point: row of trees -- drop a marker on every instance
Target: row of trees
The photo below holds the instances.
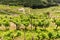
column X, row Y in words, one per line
column 30, row 3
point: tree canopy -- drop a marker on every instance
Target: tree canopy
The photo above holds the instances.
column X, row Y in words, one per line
column 30, row 3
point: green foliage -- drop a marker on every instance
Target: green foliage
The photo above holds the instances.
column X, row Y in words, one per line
column 5, row 22
column 8, row 35
column 43, row 35
column 28, row 36
column 46, row 23
column 41, row 22
column 37, row 20
column 57, row 22
column 26, row 23
column 29, row 3
column 17, row 21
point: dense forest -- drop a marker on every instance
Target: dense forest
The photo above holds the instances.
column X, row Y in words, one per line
column 31, row 3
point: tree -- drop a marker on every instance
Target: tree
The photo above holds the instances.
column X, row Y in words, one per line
column 30, row 3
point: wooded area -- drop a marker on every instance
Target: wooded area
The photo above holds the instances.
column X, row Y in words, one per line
column 31, row 3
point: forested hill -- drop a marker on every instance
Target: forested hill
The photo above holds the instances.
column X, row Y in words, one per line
column 30, row 3
column 58, row 1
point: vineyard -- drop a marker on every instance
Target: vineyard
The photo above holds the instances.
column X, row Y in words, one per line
column 29, row 24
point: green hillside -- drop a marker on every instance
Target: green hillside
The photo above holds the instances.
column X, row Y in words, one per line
column 24, row 23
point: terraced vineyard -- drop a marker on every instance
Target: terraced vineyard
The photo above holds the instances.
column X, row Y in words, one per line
column 21, row 23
